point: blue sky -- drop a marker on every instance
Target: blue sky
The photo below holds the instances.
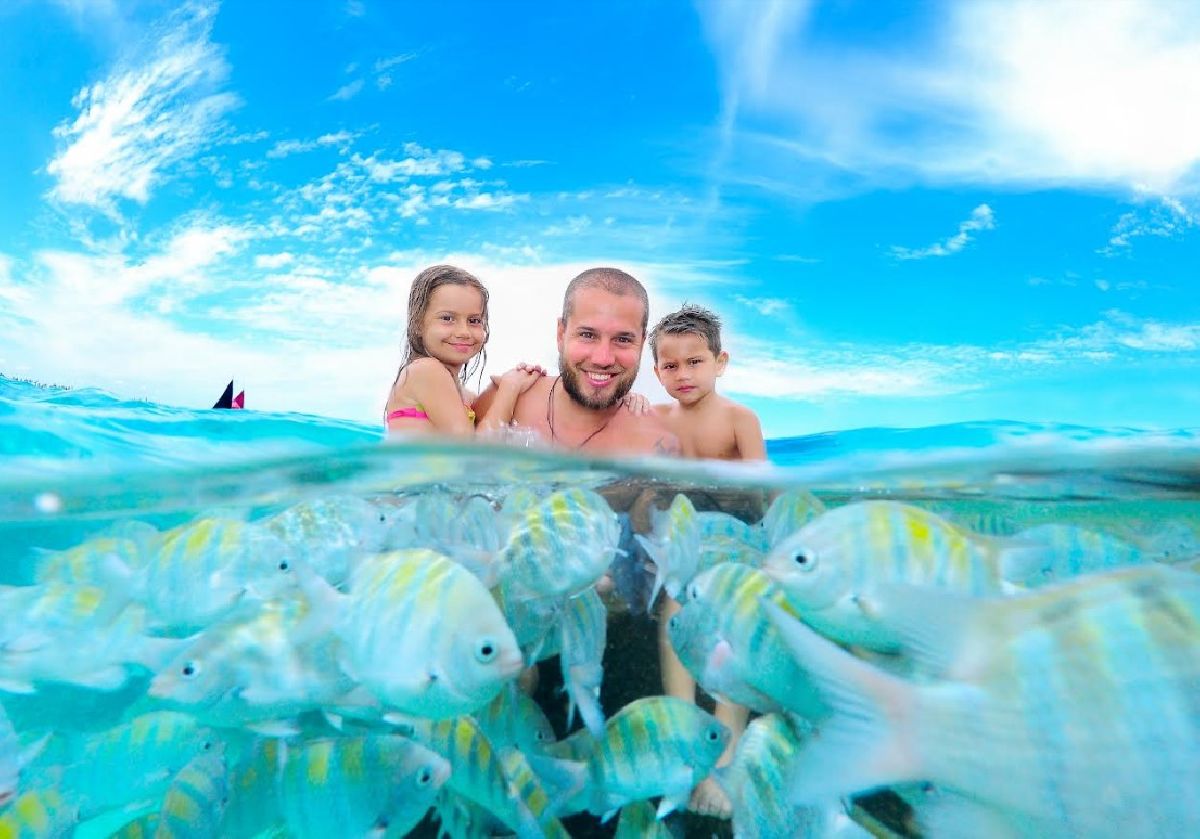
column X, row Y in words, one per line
column 907, row 213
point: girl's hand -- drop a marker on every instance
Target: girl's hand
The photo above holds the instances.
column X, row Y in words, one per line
column 532, row 368
column 636, row 404
column 520, row 378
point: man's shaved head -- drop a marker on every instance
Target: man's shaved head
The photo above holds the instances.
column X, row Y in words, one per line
column 614, row 281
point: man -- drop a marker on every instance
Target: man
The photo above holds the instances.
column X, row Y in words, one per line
column 600, row 338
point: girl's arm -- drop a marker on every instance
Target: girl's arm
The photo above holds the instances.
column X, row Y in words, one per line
column 432, row 386
column 498, row 411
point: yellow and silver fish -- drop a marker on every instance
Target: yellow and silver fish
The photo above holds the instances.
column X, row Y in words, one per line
column 1068, row 711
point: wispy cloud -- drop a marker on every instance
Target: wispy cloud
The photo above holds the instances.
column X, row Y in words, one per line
column 1166, row 218
column 1029, row 91
column 152, row 112
column 283, row 148
column 347, row 91
column 765, row 306
column 981, row 218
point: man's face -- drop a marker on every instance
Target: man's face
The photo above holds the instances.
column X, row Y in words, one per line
column 600, row 347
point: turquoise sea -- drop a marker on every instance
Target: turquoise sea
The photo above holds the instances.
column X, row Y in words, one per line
column 79, row 465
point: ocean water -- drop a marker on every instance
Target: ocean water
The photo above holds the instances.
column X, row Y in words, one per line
column 79, row 465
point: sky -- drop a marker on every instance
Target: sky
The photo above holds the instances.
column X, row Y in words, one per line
column 906, row 213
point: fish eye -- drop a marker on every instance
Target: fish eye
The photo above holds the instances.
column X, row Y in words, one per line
column 673, row 623
column 712, row 735
column 207, row 746
column 804, row 559
column 486, row 651
column 424, row 777
column 284, row 566
column 189, row 669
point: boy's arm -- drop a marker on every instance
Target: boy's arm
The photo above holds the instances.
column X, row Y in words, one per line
column 747, row 433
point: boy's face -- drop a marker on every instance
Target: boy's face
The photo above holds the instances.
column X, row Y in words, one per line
column 687, row 368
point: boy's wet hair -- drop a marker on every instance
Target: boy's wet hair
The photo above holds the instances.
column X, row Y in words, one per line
column 689, row 320
column 423, row 287
column 614, row 281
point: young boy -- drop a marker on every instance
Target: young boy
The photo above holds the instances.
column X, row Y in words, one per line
column 688, row 360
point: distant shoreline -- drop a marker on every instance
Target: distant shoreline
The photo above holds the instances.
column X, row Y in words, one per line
column 34, row 382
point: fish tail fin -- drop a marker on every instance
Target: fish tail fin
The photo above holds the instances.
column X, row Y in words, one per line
column 861, row 744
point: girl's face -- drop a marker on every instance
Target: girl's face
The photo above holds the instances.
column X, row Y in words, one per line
column 453, row 326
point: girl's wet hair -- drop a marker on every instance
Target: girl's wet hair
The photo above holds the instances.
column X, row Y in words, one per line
column 423, row 287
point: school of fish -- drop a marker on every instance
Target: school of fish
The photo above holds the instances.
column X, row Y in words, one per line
column 350, row 666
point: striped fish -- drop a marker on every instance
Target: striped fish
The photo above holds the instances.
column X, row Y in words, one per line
column 530, row 789
column 832, row 568
column 476, row 770
column 514, row 719
column 724, row 527
column 584, row 630
column 359, row 786
column 656, row 746
column 331, row 533
column 737, row 652
column 788, row 513
column 267, row 662
column 673, row 545
column 757, row 782
column 1071, row 551
column 638, row 821
column 195, row 802
column 1068, row 711
column 253, row 807
column 38, row 814
column 560, row 546
column 98, row 561
column 131, row 762
column 200, row 569
column 424, row 635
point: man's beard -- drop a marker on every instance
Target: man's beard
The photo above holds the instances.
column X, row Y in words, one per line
column 570, row 382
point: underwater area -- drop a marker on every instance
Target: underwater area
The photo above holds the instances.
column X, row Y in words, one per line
column 239, row 623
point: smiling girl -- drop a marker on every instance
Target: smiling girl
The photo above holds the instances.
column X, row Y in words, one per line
column 447, row 332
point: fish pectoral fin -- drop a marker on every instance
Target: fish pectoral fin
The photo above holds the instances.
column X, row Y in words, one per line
column 11, row 685
column 27, row 642
column 671, row 803
column 106, row 678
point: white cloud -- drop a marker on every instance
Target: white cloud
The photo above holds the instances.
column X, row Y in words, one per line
column 273, row 260
column 981, row 219
column 1029, row 91
column 383, row 81
column 147, row 116
column 347, row 91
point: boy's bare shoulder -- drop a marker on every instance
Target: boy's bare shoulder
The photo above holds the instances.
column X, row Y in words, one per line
column 739, row 411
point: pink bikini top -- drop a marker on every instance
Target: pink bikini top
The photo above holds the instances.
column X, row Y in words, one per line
column 418, row 413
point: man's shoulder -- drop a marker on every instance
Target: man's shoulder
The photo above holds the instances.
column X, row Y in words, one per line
column 648, row 433
column 534, row 401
